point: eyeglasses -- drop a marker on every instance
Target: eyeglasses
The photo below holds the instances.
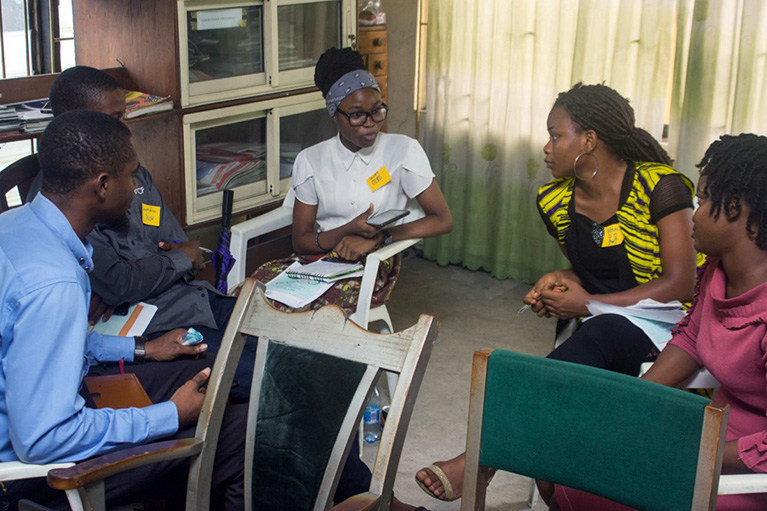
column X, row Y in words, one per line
column 360, row 118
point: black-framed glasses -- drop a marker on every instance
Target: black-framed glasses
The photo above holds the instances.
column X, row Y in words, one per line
column 360, row 118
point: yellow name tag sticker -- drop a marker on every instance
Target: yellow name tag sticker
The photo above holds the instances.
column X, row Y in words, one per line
column 150, row 215
column 378, row 179
column 613, row 236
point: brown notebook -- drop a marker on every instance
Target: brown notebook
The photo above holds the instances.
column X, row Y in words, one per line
column 115, row 391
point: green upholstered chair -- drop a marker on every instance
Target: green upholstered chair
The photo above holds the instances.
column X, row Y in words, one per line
column 634, row 442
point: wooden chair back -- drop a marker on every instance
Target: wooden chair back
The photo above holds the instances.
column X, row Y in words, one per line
column 314, row 374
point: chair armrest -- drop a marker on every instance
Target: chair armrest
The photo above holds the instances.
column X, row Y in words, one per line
column 249, row 229
column 373, row 259
column 362, row 502
column 702, row 379
column 110, row 464
column 15, row 470
column 395, row 248
column 731, row 484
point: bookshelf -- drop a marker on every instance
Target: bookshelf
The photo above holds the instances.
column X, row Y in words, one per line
column 222, row 62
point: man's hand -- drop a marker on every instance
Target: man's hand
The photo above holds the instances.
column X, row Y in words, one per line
column 352, row 248
column 169, row 347
column 189, row 398
column 190, row 248
column 99, row 308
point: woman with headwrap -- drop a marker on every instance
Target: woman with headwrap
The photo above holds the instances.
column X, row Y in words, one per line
column 623, row 218
column 341, row 182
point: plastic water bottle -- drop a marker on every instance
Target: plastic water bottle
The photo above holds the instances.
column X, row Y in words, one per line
column 371, row 419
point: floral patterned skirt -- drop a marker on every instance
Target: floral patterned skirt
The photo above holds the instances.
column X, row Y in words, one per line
column 344, row 292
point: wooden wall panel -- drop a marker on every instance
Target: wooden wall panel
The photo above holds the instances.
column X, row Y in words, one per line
column 158, row 143
column 140, row 34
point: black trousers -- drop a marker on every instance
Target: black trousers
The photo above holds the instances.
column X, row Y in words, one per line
column 222, row 307
column 608, row 341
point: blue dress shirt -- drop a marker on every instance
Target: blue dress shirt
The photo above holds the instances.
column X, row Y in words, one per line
column 46, row 349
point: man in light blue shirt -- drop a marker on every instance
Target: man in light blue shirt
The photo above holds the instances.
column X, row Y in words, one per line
column 88, row 164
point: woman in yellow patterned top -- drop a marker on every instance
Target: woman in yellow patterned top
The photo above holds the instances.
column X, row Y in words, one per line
column 623, row 218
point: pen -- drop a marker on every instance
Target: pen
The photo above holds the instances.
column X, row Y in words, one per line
column 206, row 250
column 523, row 309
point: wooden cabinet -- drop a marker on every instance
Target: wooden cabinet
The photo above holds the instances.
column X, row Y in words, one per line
column 210, row 56
column 373, row 45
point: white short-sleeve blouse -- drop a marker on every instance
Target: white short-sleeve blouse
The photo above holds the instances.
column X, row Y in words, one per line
column 334, row 178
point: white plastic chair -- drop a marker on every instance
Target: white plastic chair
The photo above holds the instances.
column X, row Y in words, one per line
column 16, row 470
column 283, row 217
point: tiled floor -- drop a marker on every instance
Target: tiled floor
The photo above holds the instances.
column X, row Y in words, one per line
column 475, row 311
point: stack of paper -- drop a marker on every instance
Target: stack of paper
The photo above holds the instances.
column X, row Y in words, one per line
column 295, row 292
column 325, row 271
column 656, row 319
column 132, row 324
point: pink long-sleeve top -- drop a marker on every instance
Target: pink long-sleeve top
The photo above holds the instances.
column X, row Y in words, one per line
column 728, row 336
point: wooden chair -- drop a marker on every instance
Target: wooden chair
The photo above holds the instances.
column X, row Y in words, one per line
column 634, row 442
column 19, row 174
column 314, row 374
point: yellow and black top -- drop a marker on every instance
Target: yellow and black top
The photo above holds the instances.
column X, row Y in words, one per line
column 633, row 229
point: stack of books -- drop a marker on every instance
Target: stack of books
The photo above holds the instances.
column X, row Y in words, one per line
column 300, row 285
column 10, row 122
column 141, row 103
column 35, row 115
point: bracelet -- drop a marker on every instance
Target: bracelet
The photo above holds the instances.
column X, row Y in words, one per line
column 139, row 351
column 317, row 241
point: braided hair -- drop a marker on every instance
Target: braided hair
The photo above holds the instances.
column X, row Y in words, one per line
column 333, row 64
column 736, row 172
column 602, row 109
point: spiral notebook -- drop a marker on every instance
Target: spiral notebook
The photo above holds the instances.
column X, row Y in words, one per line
column 325, row 271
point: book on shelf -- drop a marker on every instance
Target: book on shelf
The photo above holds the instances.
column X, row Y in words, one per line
column 325, row 271
column 141, row 103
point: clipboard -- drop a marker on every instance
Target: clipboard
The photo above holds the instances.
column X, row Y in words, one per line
column 115, row 391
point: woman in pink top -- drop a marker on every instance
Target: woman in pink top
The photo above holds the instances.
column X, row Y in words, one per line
column 725, row 331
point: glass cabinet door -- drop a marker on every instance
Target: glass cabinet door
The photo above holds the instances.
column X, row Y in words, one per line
column 232, row 49
column 224, row 43
column 299, row 131
column 230, row 155
column 305, row 31
column 248, row 148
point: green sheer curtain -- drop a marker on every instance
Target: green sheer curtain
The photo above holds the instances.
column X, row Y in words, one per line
column 720, row 77
column 493, row 70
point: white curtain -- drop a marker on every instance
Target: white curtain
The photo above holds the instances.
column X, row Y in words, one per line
column 720, row 77
column 494, row 68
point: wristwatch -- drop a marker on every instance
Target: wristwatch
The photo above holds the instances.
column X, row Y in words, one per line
column 139, row 351
column 388, row 240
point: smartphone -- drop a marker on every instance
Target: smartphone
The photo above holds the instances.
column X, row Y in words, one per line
column 122, row 309
column 387, row 217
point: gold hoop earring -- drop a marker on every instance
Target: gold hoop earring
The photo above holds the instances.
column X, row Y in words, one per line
column 575, row 166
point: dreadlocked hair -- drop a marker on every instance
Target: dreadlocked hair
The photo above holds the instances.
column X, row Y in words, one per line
column 333, row 64
column 736, row 172
column 602, row 109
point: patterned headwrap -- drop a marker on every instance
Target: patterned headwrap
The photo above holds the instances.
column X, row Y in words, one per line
column 348, row 83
